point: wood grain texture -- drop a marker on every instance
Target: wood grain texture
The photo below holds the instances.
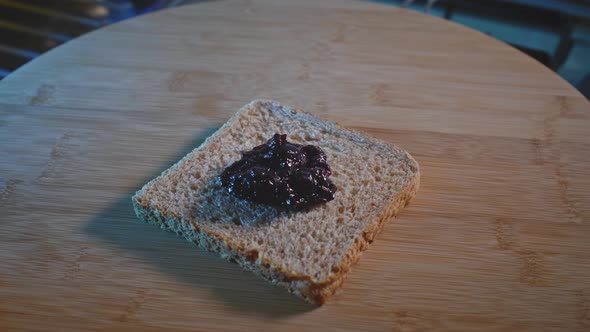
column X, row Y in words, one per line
column 497, row 239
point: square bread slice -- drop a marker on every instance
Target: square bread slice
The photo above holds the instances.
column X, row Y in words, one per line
column 309, row 252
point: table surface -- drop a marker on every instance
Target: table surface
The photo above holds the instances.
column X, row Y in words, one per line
column 497, row 238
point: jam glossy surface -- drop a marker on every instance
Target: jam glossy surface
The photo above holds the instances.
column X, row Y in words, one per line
column 283, row 174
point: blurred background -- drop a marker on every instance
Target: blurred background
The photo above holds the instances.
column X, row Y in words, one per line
column 554, row 32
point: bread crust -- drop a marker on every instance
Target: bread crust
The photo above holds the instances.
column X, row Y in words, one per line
column 306, row 287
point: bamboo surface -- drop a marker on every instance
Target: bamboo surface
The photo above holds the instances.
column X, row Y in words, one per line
column 497, row 239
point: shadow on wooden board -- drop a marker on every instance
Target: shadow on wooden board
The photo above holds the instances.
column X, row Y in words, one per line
column 239, row 290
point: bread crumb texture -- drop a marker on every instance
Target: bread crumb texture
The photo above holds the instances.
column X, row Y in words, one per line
column 307, row 252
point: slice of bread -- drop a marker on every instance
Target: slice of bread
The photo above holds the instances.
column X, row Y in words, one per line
column 308, row 252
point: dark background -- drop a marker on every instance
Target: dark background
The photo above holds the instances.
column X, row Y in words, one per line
column 555, row 32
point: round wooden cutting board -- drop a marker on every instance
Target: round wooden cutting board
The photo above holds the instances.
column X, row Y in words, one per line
column 498, row 237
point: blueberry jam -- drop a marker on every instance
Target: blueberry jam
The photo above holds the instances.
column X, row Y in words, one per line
column 283, row 174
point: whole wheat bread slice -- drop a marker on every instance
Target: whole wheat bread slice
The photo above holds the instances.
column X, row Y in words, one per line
column 309, row 252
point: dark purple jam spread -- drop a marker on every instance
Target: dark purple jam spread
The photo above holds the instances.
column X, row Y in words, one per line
column 279, row 173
